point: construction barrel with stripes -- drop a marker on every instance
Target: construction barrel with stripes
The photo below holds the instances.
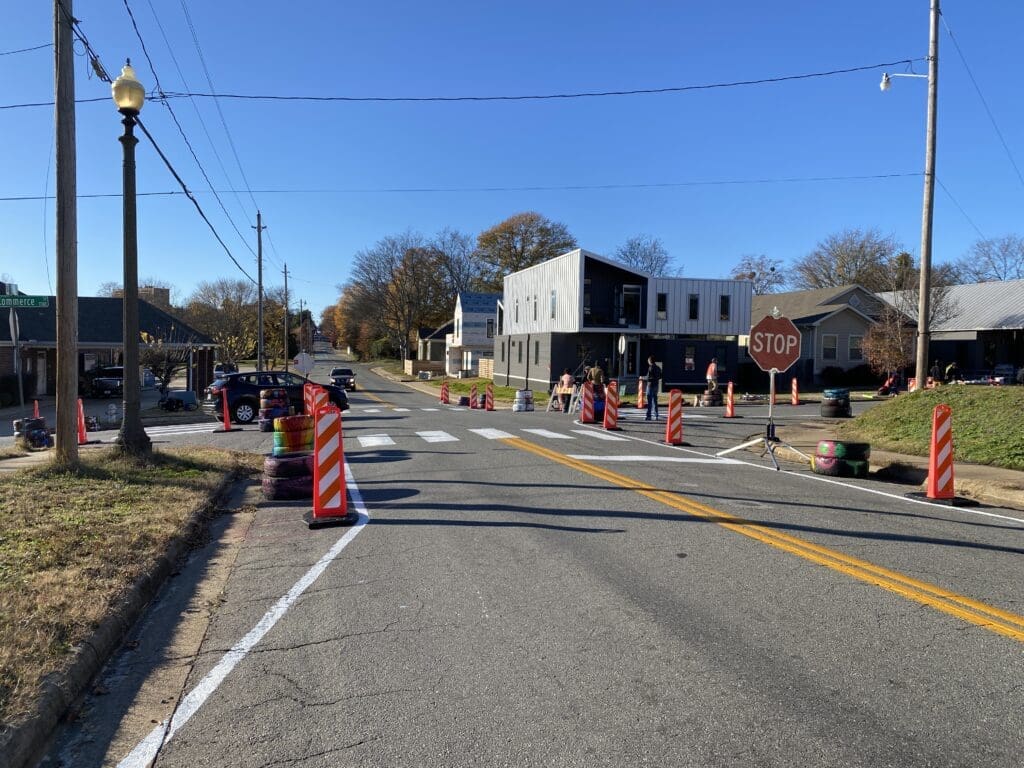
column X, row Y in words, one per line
column 444, row 392
column 641, row 386
column 473, row 396
column 674, row 424
column 489, row 397
column 587, row 408
column 940, row 462
column 318, row 399
column 611, row 405
column 330, row 506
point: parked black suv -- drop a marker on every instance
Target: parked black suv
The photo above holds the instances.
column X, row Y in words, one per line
column 244, row 393
column 104, row 381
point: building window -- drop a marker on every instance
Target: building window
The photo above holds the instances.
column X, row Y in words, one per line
column 516, row 317
column 694, row 306
column 856, row 353
column 490, row 328
column 723, row 308
column 662, row 306
column 689, row 358
column 554, row 295
column 829, row 346
column 503, row 351
column 519, row 356
column 535, row 309
column 536, row 352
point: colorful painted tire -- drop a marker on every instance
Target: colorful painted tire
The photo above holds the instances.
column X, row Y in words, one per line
column 273, row 402
column 853, row 468
column 299, row 464
column 266, row 425
column 299, row 423
column 287, row 488
column 280, row 450
column 295, row 441
column 836, row 394
column 826, row 465
column 843, row 450
column 273, row 413
column 836, row 411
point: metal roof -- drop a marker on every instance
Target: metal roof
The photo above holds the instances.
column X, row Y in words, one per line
column 478, row 302
column 982, row 307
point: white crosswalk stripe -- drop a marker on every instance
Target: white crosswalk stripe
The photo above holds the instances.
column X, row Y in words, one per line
column 599, row 434
column 438, row 437
column 549, row 434
column 181, row 429
column 491, row 434
column 374, row 441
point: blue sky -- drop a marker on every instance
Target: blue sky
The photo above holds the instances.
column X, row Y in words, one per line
column 325, row 175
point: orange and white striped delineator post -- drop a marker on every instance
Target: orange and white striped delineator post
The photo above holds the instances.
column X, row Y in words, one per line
column 35, row 409
column 587, row 408
column 330, row 506
column 444, row 392
column 489, row 397
column 674, row 423
column 318, row 398
column 940, row 461
column 730, row 402
column 306, row 389
column 794, row 393
column 611, row 406
column 473, row 396
column 641, row 386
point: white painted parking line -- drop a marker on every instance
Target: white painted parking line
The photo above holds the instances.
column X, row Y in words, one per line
column 371, row 410
column 438, row 437
column 491, row 434
column 549, row 434
column 429, row 409
column 374, row 441
column 402, row 410
column 598, row 434
column 667, row 459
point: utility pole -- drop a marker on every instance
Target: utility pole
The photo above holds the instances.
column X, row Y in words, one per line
column 924, row 290
column 260, row 352
column 302, row 327
column 66, row 452
column 286, row 318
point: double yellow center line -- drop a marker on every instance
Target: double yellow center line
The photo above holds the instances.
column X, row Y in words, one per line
column 978, row 613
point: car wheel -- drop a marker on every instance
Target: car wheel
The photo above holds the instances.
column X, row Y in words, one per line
column 244, row 412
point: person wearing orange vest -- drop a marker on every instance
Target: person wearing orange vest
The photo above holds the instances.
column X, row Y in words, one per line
column 712, row 374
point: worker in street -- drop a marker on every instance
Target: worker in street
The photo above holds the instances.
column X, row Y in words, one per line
column 712, row 374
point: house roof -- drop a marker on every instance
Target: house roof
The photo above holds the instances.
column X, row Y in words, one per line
column 982, row 306
column 811, row 307
column 426, row 334
column 100, row 323
column 478, row 302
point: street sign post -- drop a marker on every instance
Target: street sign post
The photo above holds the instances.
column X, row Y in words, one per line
column 774, row 346
column 304, row 363
column 25, row 302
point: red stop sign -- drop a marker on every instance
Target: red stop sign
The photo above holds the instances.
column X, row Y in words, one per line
column 774, row 343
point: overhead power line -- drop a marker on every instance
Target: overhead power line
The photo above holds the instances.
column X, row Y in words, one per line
column 520, row 97
column 26, row 50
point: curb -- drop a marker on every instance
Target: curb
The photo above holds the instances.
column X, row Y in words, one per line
column 22, row 744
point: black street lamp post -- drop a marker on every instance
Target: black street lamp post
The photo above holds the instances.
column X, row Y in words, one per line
column 128, row 96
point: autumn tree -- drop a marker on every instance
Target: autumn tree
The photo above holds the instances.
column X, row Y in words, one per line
column 225, row 310
column 646, row 254
column 166, row 353
column 994, row 259
column 766, row 274
column 853, row 256
column 518, row 242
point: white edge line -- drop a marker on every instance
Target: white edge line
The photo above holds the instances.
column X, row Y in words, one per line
column 146, row 750
column 832, row 481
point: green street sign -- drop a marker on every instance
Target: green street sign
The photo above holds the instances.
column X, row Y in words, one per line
column 25, row 302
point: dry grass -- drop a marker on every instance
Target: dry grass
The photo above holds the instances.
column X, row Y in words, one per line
column 72, row 544
column 12, row 451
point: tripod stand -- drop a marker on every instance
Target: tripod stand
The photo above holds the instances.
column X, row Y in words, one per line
column 769, row 439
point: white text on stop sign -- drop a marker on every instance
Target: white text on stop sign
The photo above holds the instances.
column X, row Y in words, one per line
column 774, row 343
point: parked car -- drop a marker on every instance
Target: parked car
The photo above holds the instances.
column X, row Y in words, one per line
column 243, row 392
column 104, row 381
column 223, row 369
column 344, row 377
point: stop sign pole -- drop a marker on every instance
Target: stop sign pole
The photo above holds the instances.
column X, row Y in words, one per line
column 774, row 345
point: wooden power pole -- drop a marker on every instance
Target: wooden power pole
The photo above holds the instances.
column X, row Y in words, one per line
column 260, row 349
column 66, row 432
column 286, row 318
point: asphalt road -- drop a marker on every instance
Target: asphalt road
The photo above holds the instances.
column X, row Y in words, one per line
column 529, row 591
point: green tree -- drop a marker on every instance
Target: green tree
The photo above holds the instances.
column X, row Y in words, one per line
column 516, row 243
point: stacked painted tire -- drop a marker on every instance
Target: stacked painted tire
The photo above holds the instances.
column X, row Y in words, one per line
column 273, row 405
column 32, row 433
column 837, row 458
column 835, row 403
column 288, row 471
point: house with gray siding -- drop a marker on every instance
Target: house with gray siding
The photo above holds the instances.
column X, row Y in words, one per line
column 579, row 308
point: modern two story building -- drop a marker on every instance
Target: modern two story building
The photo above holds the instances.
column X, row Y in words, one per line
column 581, row 308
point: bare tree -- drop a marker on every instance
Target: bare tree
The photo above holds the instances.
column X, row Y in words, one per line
column 455, row 252
column 646, row 254
column 166, row 353
column 225, row 310
column 888, row 344
column 766, row 274
column 854, row 256
column 995, row 259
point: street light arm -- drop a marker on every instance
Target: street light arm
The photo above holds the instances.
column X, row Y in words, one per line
column 886, row 77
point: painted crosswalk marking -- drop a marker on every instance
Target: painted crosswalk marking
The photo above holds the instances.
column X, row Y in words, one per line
column 549, row 434
column 491, row 434
column 374, row 441
column 401, row 410
column 668, row 459
column 438, row 437
column 598, row 434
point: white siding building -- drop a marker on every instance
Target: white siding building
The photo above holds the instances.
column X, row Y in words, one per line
column 472, row 333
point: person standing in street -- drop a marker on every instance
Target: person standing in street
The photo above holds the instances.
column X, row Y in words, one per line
column 712, row 374
column 653, row 385
column 565, row 385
